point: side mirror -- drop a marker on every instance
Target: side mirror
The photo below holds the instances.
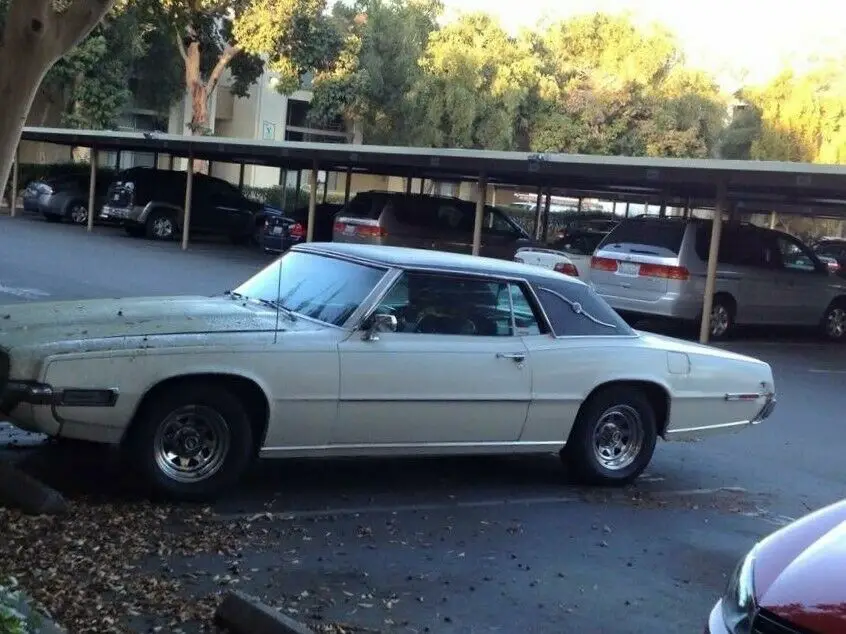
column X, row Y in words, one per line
column 379, row 323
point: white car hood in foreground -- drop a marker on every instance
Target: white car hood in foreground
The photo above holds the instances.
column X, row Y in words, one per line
column 39, row 324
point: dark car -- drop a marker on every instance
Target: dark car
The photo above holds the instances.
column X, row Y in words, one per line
column 150, row 202
column 427, row 222
column 284, row 231
column 834, row 248
column 65, row 197
column 792, row 582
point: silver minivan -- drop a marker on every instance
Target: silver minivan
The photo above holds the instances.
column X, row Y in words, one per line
column 656, row 267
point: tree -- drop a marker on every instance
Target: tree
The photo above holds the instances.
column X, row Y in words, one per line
column 368, row 84
column 290, row 37
column 476, row 81
column 623, row 90
column 35, row 35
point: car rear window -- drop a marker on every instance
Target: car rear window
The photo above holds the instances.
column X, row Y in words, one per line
column 367, row 206
column 575, row 310
column 662, row 236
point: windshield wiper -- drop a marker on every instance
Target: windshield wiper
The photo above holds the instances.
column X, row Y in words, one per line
column 290, row 314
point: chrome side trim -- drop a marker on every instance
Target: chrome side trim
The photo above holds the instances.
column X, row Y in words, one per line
column 517, row 445
column 703, row 428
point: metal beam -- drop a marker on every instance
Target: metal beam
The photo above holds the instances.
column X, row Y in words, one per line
column 13, row 194
column 545, row 230
column 347, row 185
column 92, row 188
column 408, row 185
column 538, row 211
column 713, row 257
column 312, row 202
column 481, row 194
column 241, row 175
column 189, row 191
column 325, row 187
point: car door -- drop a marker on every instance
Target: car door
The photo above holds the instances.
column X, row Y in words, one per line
column 747, row 269
column 803, row 282
column 454, row 372
column 221, row 207
column 500, row 237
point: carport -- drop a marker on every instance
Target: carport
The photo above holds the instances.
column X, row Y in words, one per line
column 727, row 187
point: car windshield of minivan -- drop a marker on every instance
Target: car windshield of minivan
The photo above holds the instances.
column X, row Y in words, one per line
column 319, row 287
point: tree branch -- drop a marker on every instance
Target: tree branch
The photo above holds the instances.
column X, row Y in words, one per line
column 180, row 45
column 74, row 23
column 228, row 53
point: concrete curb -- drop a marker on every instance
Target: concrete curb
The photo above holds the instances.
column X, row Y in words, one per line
column 20, row 490
column 242, row 614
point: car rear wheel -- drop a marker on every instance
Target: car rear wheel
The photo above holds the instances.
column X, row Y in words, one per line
column 722, row 317
column 613, row 438
column 833, row 325
column 78, row 213
column 192, row 442
column 161, row 226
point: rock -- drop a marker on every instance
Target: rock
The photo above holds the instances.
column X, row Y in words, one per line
column 242, row 614
column 21, row 490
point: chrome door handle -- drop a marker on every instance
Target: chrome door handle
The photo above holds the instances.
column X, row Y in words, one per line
column 517, row 357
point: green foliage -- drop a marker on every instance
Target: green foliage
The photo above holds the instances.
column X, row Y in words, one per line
column 15, row 617
column 377, row 66
column 280, row 197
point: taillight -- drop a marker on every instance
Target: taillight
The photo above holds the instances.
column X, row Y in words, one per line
column 603, row 264
column 567, row 268
column 296, row 230
column 664, row 271
column 369, row 231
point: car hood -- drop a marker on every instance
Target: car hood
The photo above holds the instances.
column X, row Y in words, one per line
column 42, row 323
column 800, row 571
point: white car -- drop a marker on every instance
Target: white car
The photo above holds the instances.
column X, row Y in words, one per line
column 548, row 259
column 361, row 350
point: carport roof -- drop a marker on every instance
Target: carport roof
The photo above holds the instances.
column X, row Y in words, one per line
column 768, row 183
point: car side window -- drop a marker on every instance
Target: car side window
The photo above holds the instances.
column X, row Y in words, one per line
column 794, row 257
column 495, row 222
column 436, row 304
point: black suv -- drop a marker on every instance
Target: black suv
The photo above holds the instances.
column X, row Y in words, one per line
column 149, row 202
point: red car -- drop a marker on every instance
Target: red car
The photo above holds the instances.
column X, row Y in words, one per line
column 792, row 582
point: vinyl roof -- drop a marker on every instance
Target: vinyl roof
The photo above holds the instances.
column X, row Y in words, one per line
column 798, row 187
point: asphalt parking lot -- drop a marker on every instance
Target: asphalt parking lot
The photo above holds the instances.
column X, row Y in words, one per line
column 463, row 545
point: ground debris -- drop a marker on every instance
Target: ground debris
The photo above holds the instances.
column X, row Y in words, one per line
column 89, row 569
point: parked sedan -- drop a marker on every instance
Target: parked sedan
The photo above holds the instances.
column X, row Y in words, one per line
column 66, row 197
column 791, row 582
column 281, row 232
column 366, row 350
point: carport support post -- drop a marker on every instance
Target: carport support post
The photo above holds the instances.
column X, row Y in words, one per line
column 713, row 251
column 13, row 194
column 312, row 202
column 481, row 194
column 92, row 186
column 347, row 185
column 189, row 190
column 773, row 220
column 547, row 206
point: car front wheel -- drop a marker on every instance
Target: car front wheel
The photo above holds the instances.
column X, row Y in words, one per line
column 833, row 324
column 613, row 438
column 192, row 442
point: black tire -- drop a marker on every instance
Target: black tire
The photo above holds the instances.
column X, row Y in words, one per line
column 77, row 212
column 833, row 322
column 582, row 454
column 207, row 401
column 723, row 312
column 160, row 225
column 134, row 231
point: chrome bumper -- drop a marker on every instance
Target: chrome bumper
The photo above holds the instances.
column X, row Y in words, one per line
column 30, row 392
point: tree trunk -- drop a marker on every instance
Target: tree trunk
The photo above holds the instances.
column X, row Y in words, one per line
column 34, row 38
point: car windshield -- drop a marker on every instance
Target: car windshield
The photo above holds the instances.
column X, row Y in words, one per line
column 316, row 286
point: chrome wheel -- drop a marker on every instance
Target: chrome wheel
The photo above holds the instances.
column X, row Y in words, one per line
column 618, row 437
column 162, row 227
column 79, row 214
column 835, row 323
column 192, row 443
column 720, row 320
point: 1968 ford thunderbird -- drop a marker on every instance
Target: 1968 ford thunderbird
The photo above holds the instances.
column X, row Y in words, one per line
column 356, row 350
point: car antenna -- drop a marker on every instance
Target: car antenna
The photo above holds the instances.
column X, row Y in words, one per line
column 277, row 302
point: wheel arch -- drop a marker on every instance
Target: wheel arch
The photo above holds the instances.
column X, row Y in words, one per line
column 247, row 390
column 657, row 394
